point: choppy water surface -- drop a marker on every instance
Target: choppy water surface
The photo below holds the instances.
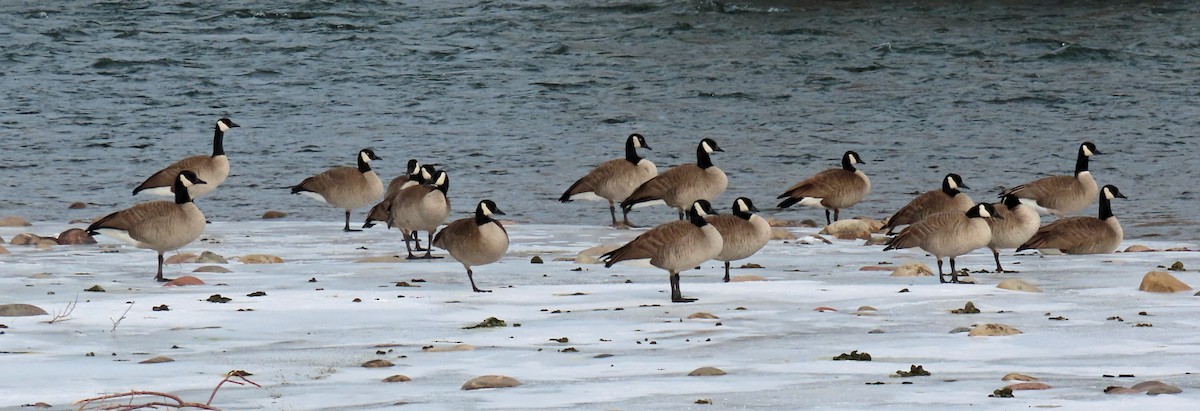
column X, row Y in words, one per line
column 518, row 98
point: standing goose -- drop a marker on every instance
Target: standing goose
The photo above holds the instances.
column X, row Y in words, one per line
column 949, row 198
column 1061, row 195
column 475, row 240
column 682, row 185
column 1082, row 235
column 157, row 225
column 834, row 188
column 674, row 246
column 614, row 180
column 948, row 234
column 743, row 233
column 421, row 208
column 213, row 169
column 1016, row 222
column 345, row 187
column 381, row 210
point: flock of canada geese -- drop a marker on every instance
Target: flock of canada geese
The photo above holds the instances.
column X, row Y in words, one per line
column 944, row 222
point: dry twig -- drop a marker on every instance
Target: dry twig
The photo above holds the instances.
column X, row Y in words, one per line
column 104, row 402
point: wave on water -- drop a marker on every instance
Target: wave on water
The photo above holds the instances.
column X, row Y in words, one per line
column 108, row 63
column 1075, row 52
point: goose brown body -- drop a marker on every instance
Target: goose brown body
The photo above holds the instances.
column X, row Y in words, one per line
column 345, row 187
column 614, row 180
column 213, row 169
column 681, row 186
column 947, row 234
column 1062, row 195
column 675, row 246
column 157, row 225
column 743, row 233
column 1082, row 235
column 948, row 198
column 831, row 189
column 475, row 241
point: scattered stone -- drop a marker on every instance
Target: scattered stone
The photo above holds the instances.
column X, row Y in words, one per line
column 1026, row 386
column 1017, row 284
column 257, row 294
column 746, row 278
column 181, row 258
column 778, row 222
column 751, row 265
column 75, row 236
column 853, row 356
column 25, row 239
column 569, row 349
column 448, row 348
column 592, row 255
column 397, row 378
column 95, row 289
column 824, row 309
column 912, row 269
column 780, row 233
column 913, row 371
column 46, row 243
column 1137, row 248
column 877, row 331
column 536, row 260
column 78, row 205
column 162, row 307
column 14, row 221
column 1002, row 393
column 1162, row 282
column 1157, row 387
column 1017, row 377
column 217, row 298
column 260, row 259
column 1178, row 266
column 490, row 381
column 1179, row 249
column 702, row 316
column 957, row 330
column 602, row 356
column 3, row 251
column 1113, row 389
column 211, row 269
column 877, row 240
column 967, row 309
column 866, row 310
column 272, row 214
column 813, row 239
column 183, row 281
column 992, row 330
column 378, row 364
column 704, row 401
column 706, row 372
column 20, row 310
column 209, row 257
column 38, row 405
column 490, row 322
column 157, row 360
column 560, row 339
column 852, row 229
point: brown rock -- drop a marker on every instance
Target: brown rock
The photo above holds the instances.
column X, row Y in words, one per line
column 1179, row 249
column 181, row 258
column 3, row 251
column 912, row 269
column 1017, row 377
column 75, row 236
column 992, row 330
column 378, row 364
column 1137, row 248
column 702, row 316
column 706, row 371
column 157, row 360
column 183, row 281
column 273, row 214
column 260, row 259
column 211, row 269
column 1017, row 284
column 777, row 222
column 448, row 348
column 746, row 278
column 1028, row 386
column 592, row 255
column 849, row 229
column 1158, row 387
column 77, row 205
column 46, row 243
column 20, row 310
column 1162, row 282
column 25, row 239
column 14, row 221
column 397, row 378
column 209, row 257
column 780, row 233
column 1120, row 390
column 877, row 240
column 490, row 381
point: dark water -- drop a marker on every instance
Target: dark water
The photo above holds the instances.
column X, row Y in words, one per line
column 518, row 98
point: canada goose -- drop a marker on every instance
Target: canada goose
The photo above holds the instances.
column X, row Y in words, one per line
column 948, row 234
column 1061, row 195
column 1082, row 235
column 381, row 210
column 421, row 208
column 674, row 246
column 682, row 185
column 834, row 188
column 743, row 233
column 949, row 198
column 475, row 240
column 345, row 187
column 157, row 225
column 213, row 169
column 1018, row 222
column 614, row 180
